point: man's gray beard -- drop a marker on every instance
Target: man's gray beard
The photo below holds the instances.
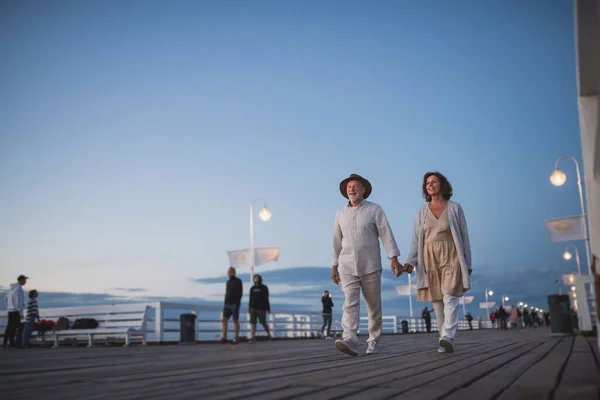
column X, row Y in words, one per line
column 355, row 199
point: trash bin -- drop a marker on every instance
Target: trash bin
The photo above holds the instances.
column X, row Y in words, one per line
column 404, row 326
column 561, row 321
column 187, row 328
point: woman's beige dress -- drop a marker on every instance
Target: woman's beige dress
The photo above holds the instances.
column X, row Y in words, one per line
column 442, row 265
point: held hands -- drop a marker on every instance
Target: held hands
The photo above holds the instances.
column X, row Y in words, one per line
column 408, row 268
column 335, row 276
column 397, row 268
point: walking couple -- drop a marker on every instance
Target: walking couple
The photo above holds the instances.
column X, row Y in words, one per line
column 440, row 254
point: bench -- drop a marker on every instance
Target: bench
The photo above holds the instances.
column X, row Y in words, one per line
column 126, row 320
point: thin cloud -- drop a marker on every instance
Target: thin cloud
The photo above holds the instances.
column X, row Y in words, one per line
column 129, row 290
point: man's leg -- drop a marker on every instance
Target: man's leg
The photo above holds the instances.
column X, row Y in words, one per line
column 14, row 319
column 223, row 328
column 440, row 318
column 371, row 288
column 236, row 322
column 351, row 317
column 236, row 325
column 263, row 321
column 451, row 315
column 329, row 320
column 324, row 324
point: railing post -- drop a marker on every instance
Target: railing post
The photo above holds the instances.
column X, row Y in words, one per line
column 395, row 321
column 273, row 322
column 159, row 323
column 196, row 323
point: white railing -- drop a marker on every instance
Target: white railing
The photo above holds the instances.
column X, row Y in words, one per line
column 163, row 322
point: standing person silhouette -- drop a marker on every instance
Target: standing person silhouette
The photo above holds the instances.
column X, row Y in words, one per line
column 327, row 314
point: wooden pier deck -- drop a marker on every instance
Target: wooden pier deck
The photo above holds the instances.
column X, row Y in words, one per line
column 488, row 364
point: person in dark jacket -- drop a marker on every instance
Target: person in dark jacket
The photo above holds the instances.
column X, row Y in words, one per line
column 233, row 300
column 469, row 318
column 259, row 306
column 327, row 314
column 426, row 315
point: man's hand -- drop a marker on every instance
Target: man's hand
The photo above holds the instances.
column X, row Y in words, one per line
column 335, row 275
column 408, row 268
column 396, row 267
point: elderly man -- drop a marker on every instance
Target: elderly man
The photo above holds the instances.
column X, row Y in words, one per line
column 357, row 261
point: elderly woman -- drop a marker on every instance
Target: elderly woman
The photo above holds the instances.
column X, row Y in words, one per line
column 441, row 255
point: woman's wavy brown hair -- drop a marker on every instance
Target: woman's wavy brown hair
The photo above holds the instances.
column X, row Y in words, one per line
column 445, row 186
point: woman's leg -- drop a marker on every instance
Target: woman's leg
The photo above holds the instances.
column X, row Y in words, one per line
column 451, row 315
column 438, row 306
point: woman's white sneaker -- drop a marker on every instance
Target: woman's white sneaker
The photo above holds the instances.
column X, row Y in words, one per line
column 448, row 344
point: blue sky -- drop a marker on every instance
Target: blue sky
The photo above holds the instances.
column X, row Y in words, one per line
column 135, row 134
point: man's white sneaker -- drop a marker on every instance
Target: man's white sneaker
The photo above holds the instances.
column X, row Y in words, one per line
column 346, row 346
column 441, row 349
column 448, row 344
column 372, row 348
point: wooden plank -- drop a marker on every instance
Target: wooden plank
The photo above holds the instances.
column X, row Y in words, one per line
column 538, row 381
column 497, row 381
column 441, row 382
column 279, row 369
column 581, row 378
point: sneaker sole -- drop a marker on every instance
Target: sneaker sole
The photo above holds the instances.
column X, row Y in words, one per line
column 370, row 353
column 345, row 349
column 447, row 346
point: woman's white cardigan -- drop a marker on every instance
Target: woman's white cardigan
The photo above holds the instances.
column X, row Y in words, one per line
column 458, row 227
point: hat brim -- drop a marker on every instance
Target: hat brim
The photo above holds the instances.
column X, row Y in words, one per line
column 365, row 183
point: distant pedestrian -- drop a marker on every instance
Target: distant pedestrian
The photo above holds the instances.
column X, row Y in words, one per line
column 33, row 316
column 259, row 306
column 327, row 302
column 441, row 253
column 358, row 228
column 15, row 305
column 502, row 317
column 231, row 308
column 526, row 321
column 514, row 317
column 535, row 321
column 469, row 318
column 426, row 315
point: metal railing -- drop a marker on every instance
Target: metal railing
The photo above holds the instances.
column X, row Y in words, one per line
column 163, row 322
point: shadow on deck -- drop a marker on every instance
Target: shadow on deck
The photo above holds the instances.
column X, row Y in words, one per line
column 487, row 365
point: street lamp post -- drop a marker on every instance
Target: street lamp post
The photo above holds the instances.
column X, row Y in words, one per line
column 504, row 298
column 264, row 214
column 558, row 178
column 487, row 305
column 567, row 256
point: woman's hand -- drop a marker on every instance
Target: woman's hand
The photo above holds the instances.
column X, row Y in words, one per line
column 408, row 268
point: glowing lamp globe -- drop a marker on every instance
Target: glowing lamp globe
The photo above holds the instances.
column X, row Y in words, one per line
column 490, row 293
column 264, row 214
column 506, row 298
column 567, row 255
column 521, row 304
column 558, row 178
column 573, row 288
